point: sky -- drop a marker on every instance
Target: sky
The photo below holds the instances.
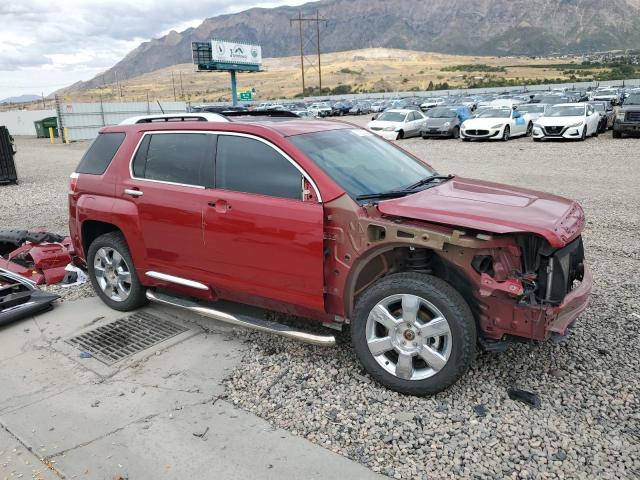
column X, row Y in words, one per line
column 47, row 45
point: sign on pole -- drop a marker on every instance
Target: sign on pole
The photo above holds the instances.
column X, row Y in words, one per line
column 246, row 95
column 236, row 53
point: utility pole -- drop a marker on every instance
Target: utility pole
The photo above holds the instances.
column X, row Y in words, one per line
column 181, row 88
column 118, row 84
column 307, row 62
column 173, row 81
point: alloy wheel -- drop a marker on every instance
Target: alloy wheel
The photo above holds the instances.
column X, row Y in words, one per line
column 408, row 337
column 112, row 274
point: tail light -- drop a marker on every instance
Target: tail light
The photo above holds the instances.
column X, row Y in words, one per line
column 73, row 182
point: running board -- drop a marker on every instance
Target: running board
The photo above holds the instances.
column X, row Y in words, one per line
column 243, row 320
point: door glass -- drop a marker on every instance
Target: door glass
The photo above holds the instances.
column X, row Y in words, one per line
column 248, row 165
column 185, row 158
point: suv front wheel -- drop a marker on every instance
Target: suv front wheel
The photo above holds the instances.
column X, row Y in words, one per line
column 414, row 333
column 112, row 273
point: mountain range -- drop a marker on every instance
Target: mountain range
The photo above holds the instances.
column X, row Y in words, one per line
column 473, row 27
column 20, row 99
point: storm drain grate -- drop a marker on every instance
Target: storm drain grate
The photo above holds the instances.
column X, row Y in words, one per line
column 126, row 336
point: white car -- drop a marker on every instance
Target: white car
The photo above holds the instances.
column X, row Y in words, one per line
column 496, row 124
column 432, row 103
column 320, row 109
column 398, row 123
column 567, row 120
column 533, row 110
column 303, row 113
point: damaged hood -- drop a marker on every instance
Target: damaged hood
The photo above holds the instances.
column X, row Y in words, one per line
column 492, row 207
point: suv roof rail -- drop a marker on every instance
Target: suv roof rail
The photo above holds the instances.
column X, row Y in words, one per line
column 176, row 117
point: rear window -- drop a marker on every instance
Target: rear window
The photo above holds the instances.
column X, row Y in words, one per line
column 96, row 160
column 185, row 158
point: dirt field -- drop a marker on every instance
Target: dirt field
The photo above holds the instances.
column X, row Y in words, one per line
column 382, row 69
column 588, row 424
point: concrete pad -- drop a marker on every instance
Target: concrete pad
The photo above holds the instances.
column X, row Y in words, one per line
column 17, row 338
column 198, row 364
column 69, row 317
column 38, row 374
column 238, row 445
column 18, row 462
column 87, row 412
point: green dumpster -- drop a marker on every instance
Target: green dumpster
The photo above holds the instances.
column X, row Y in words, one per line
column 42, row 127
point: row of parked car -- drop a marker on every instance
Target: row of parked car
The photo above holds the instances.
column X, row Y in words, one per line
column 505, row 118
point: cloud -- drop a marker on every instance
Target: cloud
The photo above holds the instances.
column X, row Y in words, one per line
column 78, row 38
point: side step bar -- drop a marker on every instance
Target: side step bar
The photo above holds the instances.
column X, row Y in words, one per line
column 243, row 320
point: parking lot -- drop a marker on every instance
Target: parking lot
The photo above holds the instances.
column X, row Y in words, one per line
column 588, row 423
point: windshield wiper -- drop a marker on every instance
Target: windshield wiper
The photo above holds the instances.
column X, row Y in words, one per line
column 383, row 195
column 426, row 180
column 405, row 191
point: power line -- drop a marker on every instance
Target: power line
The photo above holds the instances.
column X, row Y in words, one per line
column 307, row 62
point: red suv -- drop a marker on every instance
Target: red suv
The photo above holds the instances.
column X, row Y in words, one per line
column 329, row 222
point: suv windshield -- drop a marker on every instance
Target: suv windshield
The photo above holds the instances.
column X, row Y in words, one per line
column 361, row 162
column 565, row 111
column 442, row 113
column 392, row 117
column 495, row 113
column 633, row 99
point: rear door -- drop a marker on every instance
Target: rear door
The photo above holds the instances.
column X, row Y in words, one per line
column 168, row 177
column 263, row 234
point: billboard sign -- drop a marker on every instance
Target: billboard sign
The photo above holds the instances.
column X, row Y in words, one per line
column 236, row 53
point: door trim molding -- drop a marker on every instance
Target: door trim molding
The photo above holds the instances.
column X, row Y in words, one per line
column 177, row 280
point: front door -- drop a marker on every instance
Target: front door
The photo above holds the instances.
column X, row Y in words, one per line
column 261, row 238
column 169, row 174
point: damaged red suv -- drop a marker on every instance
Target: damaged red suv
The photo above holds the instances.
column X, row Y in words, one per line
column 328, row 222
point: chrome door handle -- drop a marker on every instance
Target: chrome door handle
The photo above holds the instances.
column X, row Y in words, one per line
column 133, row 193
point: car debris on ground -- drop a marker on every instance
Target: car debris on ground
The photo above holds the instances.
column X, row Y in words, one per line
column 38, row 255
column 20, row 297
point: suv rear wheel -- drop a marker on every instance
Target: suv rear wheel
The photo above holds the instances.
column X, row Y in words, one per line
column 414, row 333
column 112, row 273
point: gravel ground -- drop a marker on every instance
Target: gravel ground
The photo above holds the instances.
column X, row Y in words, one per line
column 589, row 423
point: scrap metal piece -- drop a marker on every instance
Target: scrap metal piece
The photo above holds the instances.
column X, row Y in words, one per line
column 20, row 297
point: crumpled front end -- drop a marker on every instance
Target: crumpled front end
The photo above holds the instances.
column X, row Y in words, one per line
column 543, row 297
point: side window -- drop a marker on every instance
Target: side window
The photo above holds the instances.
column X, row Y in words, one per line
column 248, row 165
column 100, row 153
column 185, row 158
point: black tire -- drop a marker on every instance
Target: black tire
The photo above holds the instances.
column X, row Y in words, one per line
column 465, row 139
column 529, row 129
column 424, row 137
column 596, row 133
column 137, row 295
column 616, row 134
column 584, row 133
column 400, row 135
column 456, row 132
column 448, row 301
column 536, row 139
column 506, row 133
